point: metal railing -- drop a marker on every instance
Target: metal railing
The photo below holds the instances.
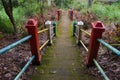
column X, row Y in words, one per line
column 33, row 37
column 7, row 48
column 75, row 32
column 24, row 68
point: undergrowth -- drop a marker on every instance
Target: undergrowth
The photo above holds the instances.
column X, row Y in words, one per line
column 5, row 24
column 21, row 13
column 105, row 12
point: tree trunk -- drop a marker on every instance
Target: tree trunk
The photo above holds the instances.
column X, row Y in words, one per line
column 8, row 7
column 89, row 3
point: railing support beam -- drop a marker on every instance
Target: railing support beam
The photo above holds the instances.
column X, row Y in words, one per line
column 58, row 14
column 74, row 27
column 97, row 30
column 34, row 44
column 54, row 25
column 109, row 47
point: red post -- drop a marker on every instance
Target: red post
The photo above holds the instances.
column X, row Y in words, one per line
column 0, row 32
column 71, row 14
column 97, row 30
column 34, row 44
column 58, row 14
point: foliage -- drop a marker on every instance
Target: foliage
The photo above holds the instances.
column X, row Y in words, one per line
column 5, row 24
column 64, row 3
column 21, row 11
column 105, row 12
column 79, row 5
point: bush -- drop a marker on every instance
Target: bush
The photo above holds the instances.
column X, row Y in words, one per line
column 20, row 14
column 103, row 11
column 5, row 24
column 106, row 12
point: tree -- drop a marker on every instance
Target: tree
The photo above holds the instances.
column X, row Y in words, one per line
column 63, row 3
column 8, row 7
column 89, row 3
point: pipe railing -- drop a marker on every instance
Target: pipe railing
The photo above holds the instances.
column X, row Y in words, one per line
column 24, row 68
column 101, row 70
column 84, row 45
column 41, row 31
column 85, row 32
column 95, row 40
column 116, row 51
column 43, row 45
column 7, row 48
column 33, row 36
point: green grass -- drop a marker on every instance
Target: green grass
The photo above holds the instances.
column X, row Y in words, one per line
column 105, row 12
column 1, row 36
column 20, row 13
column 5, row 24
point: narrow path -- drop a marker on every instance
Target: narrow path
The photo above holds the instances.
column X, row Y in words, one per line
column 63, row 60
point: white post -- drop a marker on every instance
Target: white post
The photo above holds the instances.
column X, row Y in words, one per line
column 79, row 24
column 48, row 24
column 49, row 2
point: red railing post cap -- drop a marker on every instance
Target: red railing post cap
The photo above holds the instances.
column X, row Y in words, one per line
column 98, row 25
column 32, row 22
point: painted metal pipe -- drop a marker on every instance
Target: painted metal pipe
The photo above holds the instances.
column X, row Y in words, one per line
column 54, row 23
column 101, row 70
column 43, row 45
column 24, row 68
column 74, row 27
column 76, row 35
column 42, row 30
column 109, row 47
column 84, row 45
column 7, row 48
column 85, row 32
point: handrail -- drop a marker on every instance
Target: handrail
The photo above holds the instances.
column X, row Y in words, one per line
column 24, row 68
column 42, row 30
column 84, row 45
column 109, row 47
column 101, row 70
column 33, row 34
column 85, row 32
column 76, row 35
column 96, row 63
column 43, row 44
column 52, row 35
column 115, row 44
column 90, row 58
column 7, row 48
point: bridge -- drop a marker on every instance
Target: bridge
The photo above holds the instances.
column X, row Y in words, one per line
column 64, row 60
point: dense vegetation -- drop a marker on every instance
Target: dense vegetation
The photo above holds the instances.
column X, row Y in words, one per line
column 23, row 9
column 109, row 12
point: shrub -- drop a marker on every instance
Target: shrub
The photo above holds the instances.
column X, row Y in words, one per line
column 5, row 24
